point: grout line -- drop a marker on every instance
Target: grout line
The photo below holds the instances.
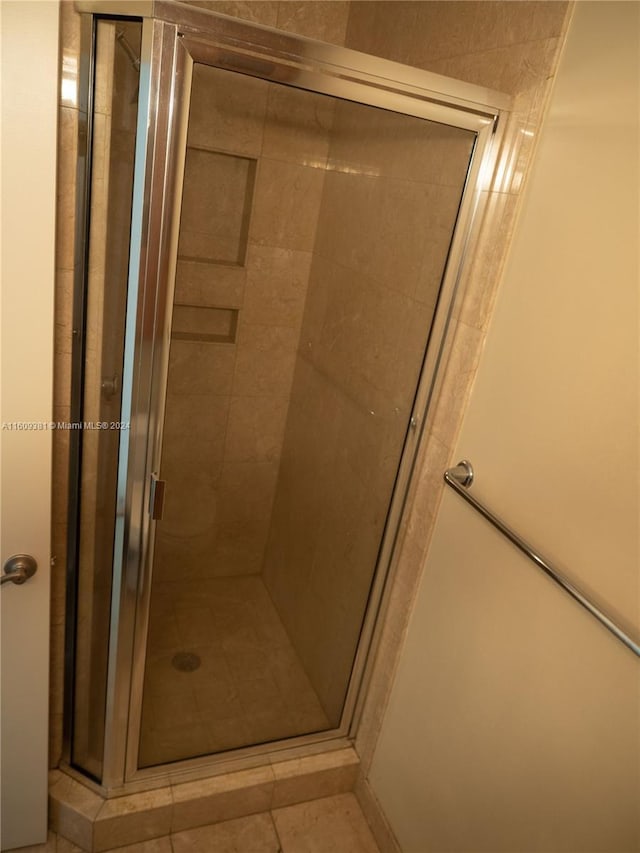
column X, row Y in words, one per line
column 275, row 829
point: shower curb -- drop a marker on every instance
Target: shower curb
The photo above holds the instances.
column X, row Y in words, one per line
column 96, row 823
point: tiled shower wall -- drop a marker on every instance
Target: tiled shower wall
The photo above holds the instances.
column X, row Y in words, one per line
column 227, row 399
column 389, row 205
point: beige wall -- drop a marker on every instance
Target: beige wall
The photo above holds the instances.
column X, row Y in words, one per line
column 513, row 721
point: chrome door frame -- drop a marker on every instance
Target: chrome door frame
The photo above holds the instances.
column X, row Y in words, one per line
column 148, row 272
column 174, row 37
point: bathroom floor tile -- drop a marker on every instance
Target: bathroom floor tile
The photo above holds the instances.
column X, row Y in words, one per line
column 64, row 846
column 331, row 825
column 248, row 686
column 254, row 834
column 156, row 845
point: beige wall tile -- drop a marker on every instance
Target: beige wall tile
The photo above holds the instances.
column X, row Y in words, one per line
column 276, row 286
column 227, row 111
column 286, row 204
column 325, row 530
column 325, row 20
column 189, row 552
column 203, row 323
column 73, row 810
column 423, row 33
column 438, row 225
column 195, row 424
column 209, row 284
column 426, row 491
column 62, row 380
column 216, row 204
column 245, row 498
column 393, row 32
column 67, row 145
column 362, row 216
column 465, row 348
column 265, row 360
column 314, row 777
column 331, row 334
column 63, row 312
column 367, row 140
column 200, row 368
column 60, row 471
column 298, row 126
column 510, row 69
column 105, row 64
column 315, row 306
column 190, row 504
column 259, row 11
column 487, row 258
column 69, row 53
column 66, row 211
column 221, row 798
column 172, row 744
column 256, row 429
column 498, row 23
column 131, row 819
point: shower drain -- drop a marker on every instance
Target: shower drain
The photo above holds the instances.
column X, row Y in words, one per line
column 185, row 662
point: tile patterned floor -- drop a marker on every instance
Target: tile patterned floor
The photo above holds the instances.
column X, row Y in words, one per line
column 331, row 825
column 250, row 686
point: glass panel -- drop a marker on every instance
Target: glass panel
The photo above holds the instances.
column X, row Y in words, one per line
column 314, row 236
column 115, row 106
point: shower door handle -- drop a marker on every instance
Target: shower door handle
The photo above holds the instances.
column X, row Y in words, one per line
column 156, row 498
column 18, row 569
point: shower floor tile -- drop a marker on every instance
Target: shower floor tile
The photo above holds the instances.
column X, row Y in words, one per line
column 243, row 683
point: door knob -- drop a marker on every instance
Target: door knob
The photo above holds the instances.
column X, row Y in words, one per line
column 110, row 386
column 19, row 569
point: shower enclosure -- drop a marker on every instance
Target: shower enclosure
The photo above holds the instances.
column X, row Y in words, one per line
column 273, row 234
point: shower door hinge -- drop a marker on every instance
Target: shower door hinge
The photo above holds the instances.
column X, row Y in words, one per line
column 156, row 498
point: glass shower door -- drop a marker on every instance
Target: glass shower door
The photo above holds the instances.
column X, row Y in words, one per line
column 314, row 234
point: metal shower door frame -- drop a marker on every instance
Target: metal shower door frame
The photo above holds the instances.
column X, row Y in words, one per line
column 174, row 37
